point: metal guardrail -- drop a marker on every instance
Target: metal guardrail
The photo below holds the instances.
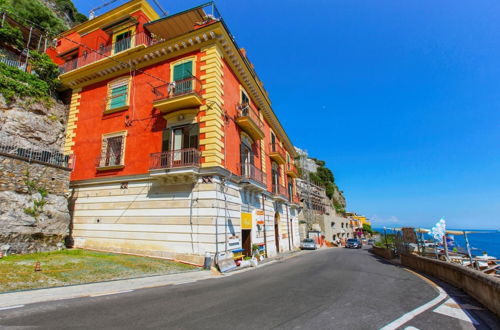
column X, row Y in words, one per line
column 50, row 157
column 13, row 63
column 177, row 88
column 189, row 157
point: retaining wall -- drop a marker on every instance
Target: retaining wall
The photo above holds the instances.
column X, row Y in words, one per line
column 484, row 288
column 382, row 252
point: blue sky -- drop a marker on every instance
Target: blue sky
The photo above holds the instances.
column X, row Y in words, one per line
column 400, row 98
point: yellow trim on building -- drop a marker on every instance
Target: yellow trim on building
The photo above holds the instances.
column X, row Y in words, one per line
column 72, row 121
column 214, row 124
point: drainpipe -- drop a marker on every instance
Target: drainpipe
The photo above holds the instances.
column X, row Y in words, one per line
column 264, row 210
column 288, row 228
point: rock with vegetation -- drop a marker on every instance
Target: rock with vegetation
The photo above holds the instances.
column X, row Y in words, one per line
column 34, row 214
column 324, row 177
column 54, row 16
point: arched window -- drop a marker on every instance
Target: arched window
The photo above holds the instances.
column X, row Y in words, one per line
column 246, row 155
column 275, row 173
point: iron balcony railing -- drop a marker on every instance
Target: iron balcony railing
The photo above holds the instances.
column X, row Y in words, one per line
column 91, row 56
column 280, row 190
column 51, row 157
column 189, row 157
column 250, row 172
column 177, row 88
column 276, row 148
column 245, row 110
column 291, row 168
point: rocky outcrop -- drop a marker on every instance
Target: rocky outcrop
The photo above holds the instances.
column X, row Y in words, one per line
column 31, row 123
column 339, row 201
column 34, row 213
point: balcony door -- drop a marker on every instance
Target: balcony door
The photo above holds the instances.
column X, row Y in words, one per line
column 246, row 157
column 180, row 142
column 275, row 173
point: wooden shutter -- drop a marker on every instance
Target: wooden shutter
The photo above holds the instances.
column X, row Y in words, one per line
column 183, row 71
column 118, row 94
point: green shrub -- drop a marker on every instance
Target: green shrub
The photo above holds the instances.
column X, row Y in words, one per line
column 15, row 82
column 11, row 35
column 36, row 12
column 45, row 69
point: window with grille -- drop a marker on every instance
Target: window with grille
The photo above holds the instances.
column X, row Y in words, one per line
column 112, row 151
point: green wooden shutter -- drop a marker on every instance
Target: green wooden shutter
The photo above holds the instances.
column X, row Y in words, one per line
column 183, row 70
column 118, row 97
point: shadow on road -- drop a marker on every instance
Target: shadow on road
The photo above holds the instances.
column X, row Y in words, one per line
column 485, row 318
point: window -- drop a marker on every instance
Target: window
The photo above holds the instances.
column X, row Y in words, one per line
column 182, row 76
column 180, row 137
column 290, row 190
column 273, row 142
column 275, row 174
column 123, row 41
column 180, row 146
column 112, row 150
column 118, row 95
column 244, row 98
column 246, row 156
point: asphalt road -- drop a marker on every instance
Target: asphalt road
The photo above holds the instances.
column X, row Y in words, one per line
column 327, row 289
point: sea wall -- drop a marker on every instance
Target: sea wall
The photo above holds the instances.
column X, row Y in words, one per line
column 484, row 288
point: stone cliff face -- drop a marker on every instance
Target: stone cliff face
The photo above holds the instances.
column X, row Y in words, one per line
column 24, row 184
column 32, row 124
column 339, row 200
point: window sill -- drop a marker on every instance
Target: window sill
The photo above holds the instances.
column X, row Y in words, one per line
column 122, row 108
column 113, row 167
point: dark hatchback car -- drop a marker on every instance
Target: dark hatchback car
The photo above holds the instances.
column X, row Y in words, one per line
column 353, row 243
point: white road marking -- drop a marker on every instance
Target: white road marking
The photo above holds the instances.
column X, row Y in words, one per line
column 410, row 315
column 452, row 309
column 411, row 328
column 11, row 307
column 109, row 293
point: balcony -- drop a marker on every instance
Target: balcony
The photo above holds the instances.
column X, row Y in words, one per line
column 249, row 121
column 277, row 153
column 291, row 170
column 177, row 165
column 252, row 177
column 176, row 95
column 134, row 41
column 280, row 192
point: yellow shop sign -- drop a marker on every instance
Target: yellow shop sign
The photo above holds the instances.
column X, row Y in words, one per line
column 246, row 220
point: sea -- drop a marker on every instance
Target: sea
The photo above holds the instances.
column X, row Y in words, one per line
column 480, row 241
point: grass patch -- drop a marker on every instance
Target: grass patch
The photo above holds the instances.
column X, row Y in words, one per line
column 17, row 272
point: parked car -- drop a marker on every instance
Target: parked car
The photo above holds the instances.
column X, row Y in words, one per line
column 371, row 242
column 353, row 243
column 308, row 244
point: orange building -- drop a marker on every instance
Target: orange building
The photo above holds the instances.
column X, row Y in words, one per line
column 174, row 137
